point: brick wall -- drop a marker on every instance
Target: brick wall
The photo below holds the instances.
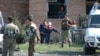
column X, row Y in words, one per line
column 6, row 10
column 76, row 7
column 8, row 7
column 37, row 8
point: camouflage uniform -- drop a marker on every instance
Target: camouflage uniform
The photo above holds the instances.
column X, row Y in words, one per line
column 9, row 43
column 65, row 26
column 32, row 34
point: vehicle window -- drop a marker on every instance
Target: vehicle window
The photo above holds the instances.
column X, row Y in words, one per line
column 95, row 20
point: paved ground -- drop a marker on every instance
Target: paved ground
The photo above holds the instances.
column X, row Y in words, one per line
column 21, row 53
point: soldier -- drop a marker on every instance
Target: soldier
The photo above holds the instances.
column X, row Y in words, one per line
column 32, row 32
column 42, row 29
column 65, row 26
column 10, row 32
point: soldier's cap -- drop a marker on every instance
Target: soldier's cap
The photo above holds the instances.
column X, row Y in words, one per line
column 10, row 18
column 29, row 18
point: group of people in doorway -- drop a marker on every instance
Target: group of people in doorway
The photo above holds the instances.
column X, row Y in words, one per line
column 11, row 32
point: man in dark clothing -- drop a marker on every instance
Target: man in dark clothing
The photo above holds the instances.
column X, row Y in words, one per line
column 61, row 13
column 42, row 30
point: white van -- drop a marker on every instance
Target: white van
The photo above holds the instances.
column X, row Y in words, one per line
column 92, row 32
column 1, row 35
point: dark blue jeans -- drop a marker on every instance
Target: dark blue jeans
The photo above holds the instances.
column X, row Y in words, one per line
column 42, row 38
column 47, row 38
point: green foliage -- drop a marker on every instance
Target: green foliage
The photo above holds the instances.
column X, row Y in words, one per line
column 82, row 24
column 82, row 21
column 22, row 35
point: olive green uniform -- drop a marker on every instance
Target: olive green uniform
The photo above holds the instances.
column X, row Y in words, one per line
column 66, row 34
column 32, row 37
column 65, row 26
column 9, row 43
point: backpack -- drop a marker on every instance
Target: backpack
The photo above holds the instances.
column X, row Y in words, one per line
column 10, row 33
column 30, row 32
column 64, row 25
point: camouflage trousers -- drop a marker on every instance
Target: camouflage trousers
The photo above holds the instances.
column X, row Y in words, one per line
column 31, row 49
column 8, row 47
column 66, row 34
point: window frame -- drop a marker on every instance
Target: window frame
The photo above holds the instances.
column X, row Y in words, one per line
column 48, row 9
